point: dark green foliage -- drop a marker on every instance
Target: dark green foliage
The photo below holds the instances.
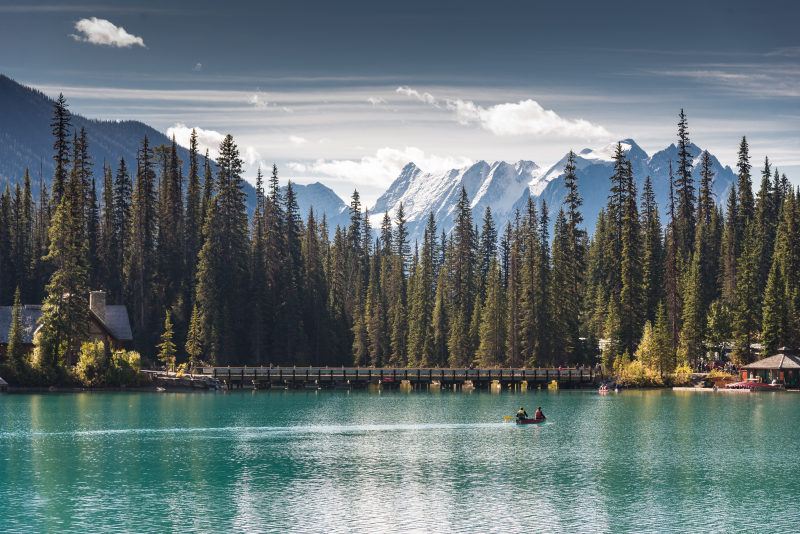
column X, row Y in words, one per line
column 273, row 288
column 60, row 125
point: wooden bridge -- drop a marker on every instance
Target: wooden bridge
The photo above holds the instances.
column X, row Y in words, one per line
column 416, row 378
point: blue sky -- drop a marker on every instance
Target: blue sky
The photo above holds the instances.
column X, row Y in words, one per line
column 348, row 92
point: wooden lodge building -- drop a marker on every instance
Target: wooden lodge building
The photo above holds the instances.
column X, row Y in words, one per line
column 107, row 323
column 783, row 367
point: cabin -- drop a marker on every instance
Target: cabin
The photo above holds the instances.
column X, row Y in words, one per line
column 783, row 367
column 107, row 323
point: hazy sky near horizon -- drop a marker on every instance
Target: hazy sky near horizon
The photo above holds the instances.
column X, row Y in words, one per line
column 348, row 92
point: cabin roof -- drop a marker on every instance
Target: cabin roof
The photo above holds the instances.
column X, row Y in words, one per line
column 117, row 322
column 778, row 361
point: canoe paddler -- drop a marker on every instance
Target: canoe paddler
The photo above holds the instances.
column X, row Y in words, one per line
column 539, row 415
column 522, row 414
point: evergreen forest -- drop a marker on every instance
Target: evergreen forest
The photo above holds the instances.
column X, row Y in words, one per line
column 205, row 281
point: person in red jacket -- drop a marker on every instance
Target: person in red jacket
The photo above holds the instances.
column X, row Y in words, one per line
column 539, row 414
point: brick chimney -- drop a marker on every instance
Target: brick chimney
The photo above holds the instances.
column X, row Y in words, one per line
column 97, row 303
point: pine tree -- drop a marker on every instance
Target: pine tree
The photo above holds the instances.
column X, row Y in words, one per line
column 529, row 278
column 684, row 191
column 575, row 270
column 376, row 321
column 746, row 314
column 65, row 309
column 400, row 238
column 652, row 254
column 775, row 322
column 209, row 189
column 441, row 323
column 170, row 249
column 565, row 311
column 744, row 186
column 167, row 353
column 193, row 217
column 123, row 217
column 222, row 267
column 194, row 339
column 487, row 247
column 60, row 124
column 315, row 293
column 462, row 282
column 672, row 293
column 422, row 289
column 492, row 348
column 140, row 251
column 107, row 245
column 765, row 219
column 631, row 301
column 730, row 249
column 514, row 320
column 542, row 290
column 40, row 270
column 693, row 328
column 15, row 351
column 93, row 234
column 386, row 235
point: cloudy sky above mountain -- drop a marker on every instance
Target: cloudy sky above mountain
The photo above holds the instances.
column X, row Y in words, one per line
column 348, row 92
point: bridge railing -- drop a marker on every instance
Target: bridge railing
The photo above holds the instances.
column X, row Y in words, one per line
column 400, row 373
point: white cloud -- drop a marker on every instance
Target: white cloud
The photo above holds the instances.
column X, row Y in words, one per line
column 297, row 140
column 251, row 156
column 383, row 167
column 197, row 67
column 206, row 139
column 375, row 100
column 427, row 98
column 525, row 117
column 103, row 32
column 259, row 100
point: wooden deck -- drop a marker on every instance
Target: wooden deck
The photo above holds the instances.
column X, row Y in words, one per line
column 359, row 377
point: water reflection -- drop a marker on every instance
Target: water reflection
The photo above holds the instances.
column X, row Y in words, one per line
column 395, row 461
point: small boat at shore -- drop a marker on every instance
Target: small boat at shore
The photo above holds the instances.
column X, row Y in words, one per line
column 523, row 421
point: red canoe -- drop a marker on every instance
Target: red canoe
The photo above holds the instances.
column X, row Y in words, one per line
column 531, row 421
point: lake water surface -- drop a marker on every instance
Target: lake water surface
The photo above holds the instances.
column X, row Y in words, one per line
column 338, row 461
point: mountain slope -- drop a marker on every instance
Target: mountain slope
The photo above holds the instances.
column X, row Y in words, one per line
column 595, row 168
column 26, row 140
column 324, row 201
column 506, row 187
column 498, row 185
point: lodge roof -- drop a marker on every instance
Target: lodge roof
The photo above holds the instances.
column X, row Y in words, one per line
column 778, row 361
column 116, row 322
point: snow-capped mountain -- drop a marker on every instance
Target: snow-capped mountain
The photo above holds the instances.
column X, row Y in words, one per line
column 498, row 185
column 595, row 168
column 506, row 187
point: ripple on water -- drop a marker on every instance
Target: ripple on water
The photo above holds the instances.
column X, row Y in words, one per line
column 339, row 462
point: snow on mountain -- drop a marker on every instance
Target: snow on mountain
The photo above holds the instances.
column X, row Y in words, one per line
column 506, row 187
column 498, row 185
column 595, row 168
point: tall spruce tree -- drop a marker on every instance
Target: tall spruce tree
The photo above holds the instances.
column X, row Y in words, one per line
column 685, row 193
column 65, row 310
column 222, row 268
column 60, row 124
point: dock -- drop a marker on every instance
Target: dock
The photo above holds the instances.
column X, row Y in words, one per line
column 391, row 377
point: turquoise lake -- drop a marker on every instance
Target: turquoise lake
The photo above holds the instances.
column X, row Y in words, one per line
column 339, row 461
